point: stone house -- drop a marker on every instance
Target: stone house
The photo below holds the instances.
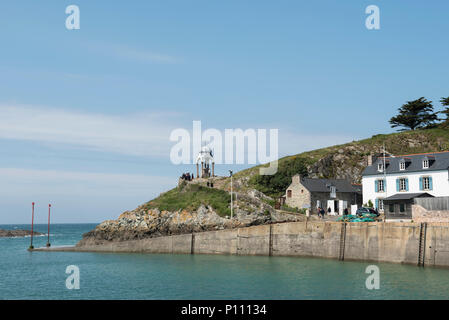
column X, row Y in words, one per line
column 336, row 194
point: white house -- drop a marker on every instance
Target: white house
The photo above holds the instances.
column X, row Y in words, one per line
column 408, row 176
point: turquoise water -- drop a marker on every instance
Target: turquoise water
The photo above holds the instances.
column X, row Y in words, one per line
column 41, row 275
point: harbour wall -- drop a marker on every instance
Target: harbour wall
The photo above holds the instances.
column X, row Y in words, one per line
column 411, row 243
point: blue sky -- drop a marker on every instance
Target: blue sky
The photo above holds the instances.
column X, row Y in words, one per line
column 85, row 115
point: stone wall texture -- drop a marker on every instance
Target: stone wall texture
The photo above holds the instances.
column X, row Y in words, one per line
column 300, row 196
column 376, row 241
column 420, row 214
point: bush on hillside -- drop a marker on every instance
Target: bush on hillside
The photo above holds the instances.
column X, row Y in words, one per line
column 275, row 185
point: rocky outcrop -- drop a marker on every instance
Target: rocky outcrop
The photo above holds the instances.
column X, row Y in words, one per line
column 17, row 233
column 142, row 223
column 348, row 161
column 344, row 163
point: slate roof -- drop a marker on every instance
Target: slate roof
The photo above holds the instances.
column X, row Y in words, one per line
column 323, row 185
column 437, row 161
column 408, row 196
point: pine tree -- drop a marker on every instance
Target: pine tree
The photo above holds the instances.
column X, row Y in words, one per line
column 445, row 102
column 414, row 114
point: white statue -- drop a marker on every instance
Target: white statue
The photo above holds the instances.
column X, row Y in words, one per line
column 205, row 157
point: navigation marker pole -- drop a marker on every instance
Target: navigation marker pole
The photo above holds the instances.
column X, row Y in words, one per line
column 32, row 225
column 48, row 232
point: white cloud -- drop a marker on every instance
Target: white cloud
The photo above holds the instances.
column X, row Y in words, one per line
column 55, row 182
column 75, row 196
column 142, row 135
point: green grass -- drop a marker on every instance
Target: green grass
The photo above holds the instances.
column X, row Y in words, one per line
column 190, row 197
column 398, row 143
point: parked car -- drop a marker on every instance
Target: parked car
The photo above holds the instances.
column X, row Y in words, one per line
column 362, row 211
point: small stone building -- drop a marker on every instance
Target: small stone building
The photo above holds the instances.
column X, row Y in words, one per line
column 336, row 194
column 399, row 206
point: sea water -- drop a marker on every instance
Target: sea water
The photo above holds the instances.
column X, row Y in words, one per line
column 42, row 275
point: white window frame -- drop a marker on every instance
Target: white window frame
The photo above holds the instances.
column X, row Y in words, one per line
column 425, row 164
column 402, row 165
column 380, row 202
column 426, row 183
column 380, row 185
column 333, row 192
column 402, row 182
column 380, row 167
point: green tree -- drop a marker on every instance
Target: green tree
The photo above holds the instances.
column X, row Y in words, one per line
column 414, row 115
column 275, row 185
column 445, row 102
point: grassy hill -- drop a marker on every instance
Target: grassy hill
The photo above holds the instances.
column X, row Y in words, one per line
column 345, row 161
column 190, row 197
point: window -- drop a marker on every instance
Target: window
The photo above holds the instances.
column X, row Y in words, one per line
column 381, row 186
column 403, row 184
column 333, row 192
column 380, row 203
column 289, row 193
column 425, row 183
column 402, row 208
column 380, row 167
column 425, row 164
column 391, row 208
column 402, row 165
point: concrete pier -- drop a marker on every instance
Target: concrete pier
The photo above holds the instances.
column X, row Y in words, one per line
column 376, row 241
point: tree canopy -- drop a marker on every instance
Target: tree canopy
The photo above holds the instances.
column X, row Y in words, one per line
column 414, row 115
column 445, row 102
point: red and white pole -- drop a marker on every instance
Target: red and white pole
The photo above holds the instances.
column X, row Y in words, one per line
column 32, row 225
column 48, row 232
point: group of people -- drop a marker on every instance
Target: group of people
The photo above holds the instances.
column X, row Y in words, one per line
column 187, row 176
column 321, row 212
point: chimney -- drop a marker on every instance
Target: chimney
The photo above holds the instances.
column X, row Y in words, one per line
column 369, row 160
column 296, row 178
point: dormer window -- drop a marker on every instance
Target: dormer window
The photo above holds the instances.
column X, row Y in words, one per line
column 425, row 164
column 402, row 165
column 333, row 192
column 380, row 167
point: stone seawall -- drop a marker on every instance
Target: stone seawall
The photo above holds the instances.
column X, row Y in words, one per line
column 420, row 214
column 387, row 242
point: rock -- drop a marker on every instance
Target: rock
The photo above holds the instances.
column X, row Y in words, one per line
column 18, row 233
